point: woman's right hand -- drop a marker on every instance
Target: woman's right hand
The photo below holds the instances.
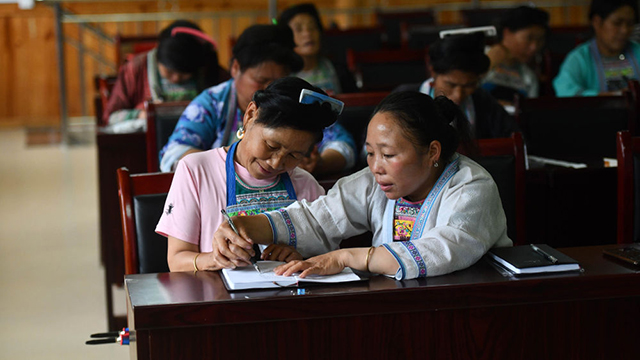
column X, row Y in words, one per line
column 231, row 249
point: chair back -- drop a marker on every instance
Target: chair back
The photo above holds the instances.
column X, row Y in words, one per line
column 384, row 70
column 142, row 199
column 628, row 147
column 481, row 16
column 335, row 42
column 574, row 128
column 161, row 121
column 392, row 22
column 504, row 160
column 416, row 36
column 129, row 46
column 103, row 86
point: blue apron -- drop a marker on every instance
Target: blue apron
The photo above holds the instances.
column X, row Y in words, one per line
column 231, row 182
column 233, row 207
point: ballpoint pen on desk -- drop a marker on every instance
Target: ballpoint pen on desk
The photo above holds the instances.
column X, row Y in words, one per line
column 256, row 249
column 544, row 254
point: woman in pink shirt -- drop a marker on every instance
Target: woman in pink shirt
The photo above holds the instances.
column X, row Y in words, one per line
column 256, row 174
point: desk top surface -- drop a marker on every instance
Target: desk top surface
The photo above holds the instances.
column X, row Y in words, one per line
column 180, row 296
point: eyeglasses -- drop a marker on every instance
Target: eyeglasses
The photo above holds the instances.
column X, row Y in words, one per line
column 311, row 97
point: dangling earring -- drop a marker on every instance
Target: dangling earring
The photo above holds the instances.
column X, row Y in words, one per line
column 240, row 133
column 435, row 164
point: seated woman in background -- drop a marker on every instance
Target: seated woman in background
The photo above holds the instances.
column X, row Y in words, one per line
column 521, row 33
column 337, row 153
column 183, row 64
column 307, row 28
column 457, row 64
column 262, row 54
column 431, row 210
column 256, row 174
column 604, row 64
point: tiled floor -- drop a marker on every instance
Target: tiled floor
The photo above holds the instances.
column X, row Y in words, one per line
column 51, row 280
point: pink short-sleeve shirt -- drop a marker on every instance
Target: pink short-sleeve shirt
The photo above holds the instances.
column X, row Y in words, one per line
column 199, row 191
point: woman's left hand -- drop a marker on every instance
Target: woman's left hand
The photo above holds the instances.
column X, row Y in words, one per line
column 326, row 264
column 279, row 252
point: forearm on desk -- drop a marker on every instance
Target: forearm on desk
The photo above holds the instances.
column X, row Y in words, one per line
column 181, row 256
column 257, row 228
column 380, row 260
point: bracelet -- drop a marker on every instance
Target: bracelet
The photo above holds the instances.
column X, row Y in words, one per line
column 195, row 266
column 366, row 260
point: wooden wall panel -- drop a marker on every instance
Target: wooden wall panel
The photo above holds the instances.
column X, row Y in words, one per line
column 6, row 65
column 35, row 79
column 29, row 76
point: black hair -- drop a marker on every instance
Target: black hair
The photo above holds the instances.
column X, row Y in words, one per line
column 522, row 17
column 424, row 119
column 279, row 107
column 306, row 8
column 189, row 54
column 459, row 52
column 604, row 8
column 261, row 43
column 183, row 52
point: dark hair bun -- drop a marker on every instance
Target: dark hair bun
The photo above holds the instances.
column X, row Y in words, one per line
column 279, row 106
column 184, row 52
column 260, row 43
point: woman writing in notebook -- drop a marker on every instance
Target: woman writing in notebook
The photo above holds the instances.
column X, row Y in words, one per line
column 431, row 210
column 256, row 174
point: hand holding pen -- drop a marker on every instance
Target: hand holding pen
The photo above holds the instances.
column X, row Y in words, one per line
column 256, row 249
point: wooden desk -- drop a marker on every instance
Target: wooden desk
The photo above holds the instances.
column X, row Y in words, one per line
column 115, row 151
column 473, row 314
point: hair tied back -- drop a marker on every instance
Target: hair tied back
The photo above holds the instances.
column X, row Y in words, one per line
column 194, row 32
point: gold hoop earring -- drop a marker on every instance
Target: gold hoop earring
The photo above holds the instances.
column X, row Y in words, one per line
column 240, row 133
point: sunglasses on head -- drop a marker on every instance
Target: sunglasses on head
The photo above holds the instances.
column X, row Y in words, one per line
column 311, row 97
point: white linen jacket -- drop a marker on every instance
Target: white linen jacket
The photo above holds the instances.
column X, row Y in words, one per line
column 459, row 221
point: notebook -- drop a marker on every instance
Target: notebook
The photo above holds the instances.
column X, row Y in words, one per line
column 248, row 277
column 526, row 260
column 630, row 254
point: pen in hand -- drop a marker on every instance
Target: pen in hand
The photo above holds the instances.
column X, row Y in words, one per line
column 256, row 249
column 544, row 254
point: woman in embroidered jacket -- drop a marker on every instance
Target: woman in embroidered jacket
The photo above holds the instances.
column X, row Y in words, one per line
column 431, row 210
column 183, row 64
column 249, row 177
column 262, row 54
column 604, row 64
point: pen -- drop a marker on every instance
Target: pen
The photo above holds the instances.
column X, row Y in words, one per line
column 544, row 254
column 235, row 230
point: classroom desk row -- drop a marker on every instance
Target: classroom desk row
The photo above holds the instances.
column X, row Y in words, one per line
column 477, row 313
column 564, row 207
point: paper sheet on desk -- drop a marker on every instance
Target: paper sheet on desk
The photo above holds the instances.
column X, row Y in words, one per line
column 547, row 161
column 247, row 277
